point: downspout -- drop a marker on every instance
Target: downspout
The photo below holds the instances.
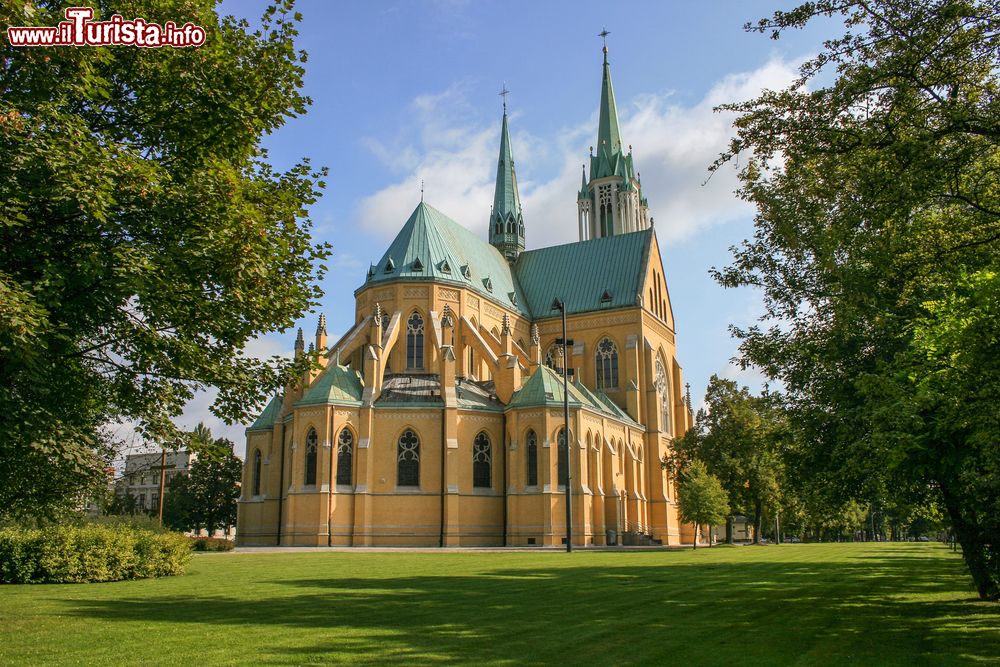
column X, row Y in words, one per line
column 281, row 482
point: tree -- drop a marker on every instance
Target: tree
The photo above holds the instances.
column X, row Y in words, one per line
column 737, row 436
column 206, row 497
column 123, row 504
column 145, row 237
column 702, row 500
column 877, row 198
column 179, row 504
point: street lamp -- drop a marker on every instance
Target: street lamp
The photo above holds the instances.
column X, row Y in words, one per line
column 565, row 342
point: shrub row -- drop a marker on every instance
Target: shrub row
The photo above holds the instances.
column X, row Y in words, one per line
column 211, row 544
column 79, row 554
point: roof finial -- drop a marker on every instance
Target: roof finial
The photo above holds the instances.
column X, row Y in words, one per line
column 603, row 34
column 504, row 93
column 505, row 326
column 421, row 190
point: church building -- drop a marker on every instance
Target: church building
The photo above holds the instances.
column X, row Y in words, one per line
column 437, row 418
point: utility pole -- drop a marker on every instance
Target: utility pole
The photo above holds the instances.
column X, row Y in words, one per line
column 163, row 468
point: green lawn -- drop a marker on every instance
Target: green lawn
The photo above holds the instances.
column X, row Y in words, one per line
column 792, row 604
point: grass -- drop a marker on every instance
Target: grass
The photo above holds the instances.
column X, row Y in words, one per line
column 824, row 604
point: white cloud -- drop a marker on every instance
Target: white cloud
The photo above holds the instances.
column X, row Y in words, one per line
column 454, row 158
column 674, row 144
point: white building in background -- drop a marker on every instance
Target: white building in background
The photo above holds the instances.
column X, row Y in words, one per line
column 141, row 478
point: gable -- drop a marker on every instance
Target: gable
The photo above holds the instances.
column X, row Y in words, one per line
column 655, row 295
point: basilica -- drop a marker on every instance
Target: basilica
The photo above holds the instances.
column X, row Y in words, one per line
column 437, row 418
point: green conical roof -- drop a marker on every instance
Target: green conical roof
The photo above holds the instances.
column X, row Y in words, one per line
column 609, row 135
column 545, row 387
column 506, row 200
column 506, row 222
column 267, row 418
column 610, row 158
column 584, row 190
column 448, row 253
column 337, row 385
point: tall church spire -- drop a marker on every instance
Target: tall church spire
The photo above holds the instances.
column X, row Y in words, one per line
column 506, row 221
column 609, row 135
column 611, row 203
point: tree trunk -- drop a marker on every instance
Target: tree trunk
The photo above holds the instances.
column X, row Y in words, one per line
column 758, row 512
column 694, row 542
column 729, row 529
column 980, row 554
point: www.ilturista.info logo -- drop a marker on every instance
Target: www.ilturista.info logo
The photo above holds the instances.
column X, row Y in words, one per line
column 79, row 30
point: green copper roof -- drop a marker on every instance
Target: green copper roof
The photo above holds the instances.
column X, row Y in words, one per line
column 584, row 190
column 267, row 418
column 545, row 387
column 432, row 246
column 506, row 222
column 337, row 385
column 602, row 399
column 610, row 158
column 590, row 275
column 506, row 200
column 609, row 135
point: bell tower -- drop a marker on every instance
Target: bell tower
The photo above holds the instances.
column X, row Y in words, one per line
column 611, row 201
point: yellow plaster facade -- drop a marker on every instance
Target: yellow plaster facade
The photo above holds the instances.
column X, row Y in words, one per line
column 437, row 418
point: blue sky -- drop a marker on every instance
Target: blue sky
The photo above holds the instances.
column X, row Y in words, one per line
column 404, row 91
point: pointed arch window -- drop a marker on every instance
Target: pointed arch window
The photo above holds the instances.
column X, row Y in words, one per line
column 604, row 209
column 532, row 451
column 606, row 361
column 662, row 388
column 415, row 342
column 408, row 459
column 562, row 456
column 482, row 461
column 345, row 457
column 312, row 442
column 256, row 472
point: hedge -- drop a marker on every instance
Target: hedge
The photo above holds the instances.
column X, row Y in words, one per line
column 89, row 553
column 211, row 544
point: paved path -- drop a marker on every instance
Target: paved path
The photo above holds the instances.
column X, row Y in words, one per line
column 437, row 550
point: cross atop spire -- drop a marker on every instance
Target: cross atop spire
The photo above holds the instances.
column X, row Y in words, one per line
column 504, row 93
column 603, row 34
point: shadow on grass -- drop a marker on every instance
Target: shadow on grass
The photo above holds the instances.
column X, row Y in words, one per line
column 877, row 609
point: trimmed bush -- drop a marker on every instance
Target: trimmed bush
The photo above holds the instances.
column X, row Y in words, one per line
column 211, row 544
column 90, row 553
